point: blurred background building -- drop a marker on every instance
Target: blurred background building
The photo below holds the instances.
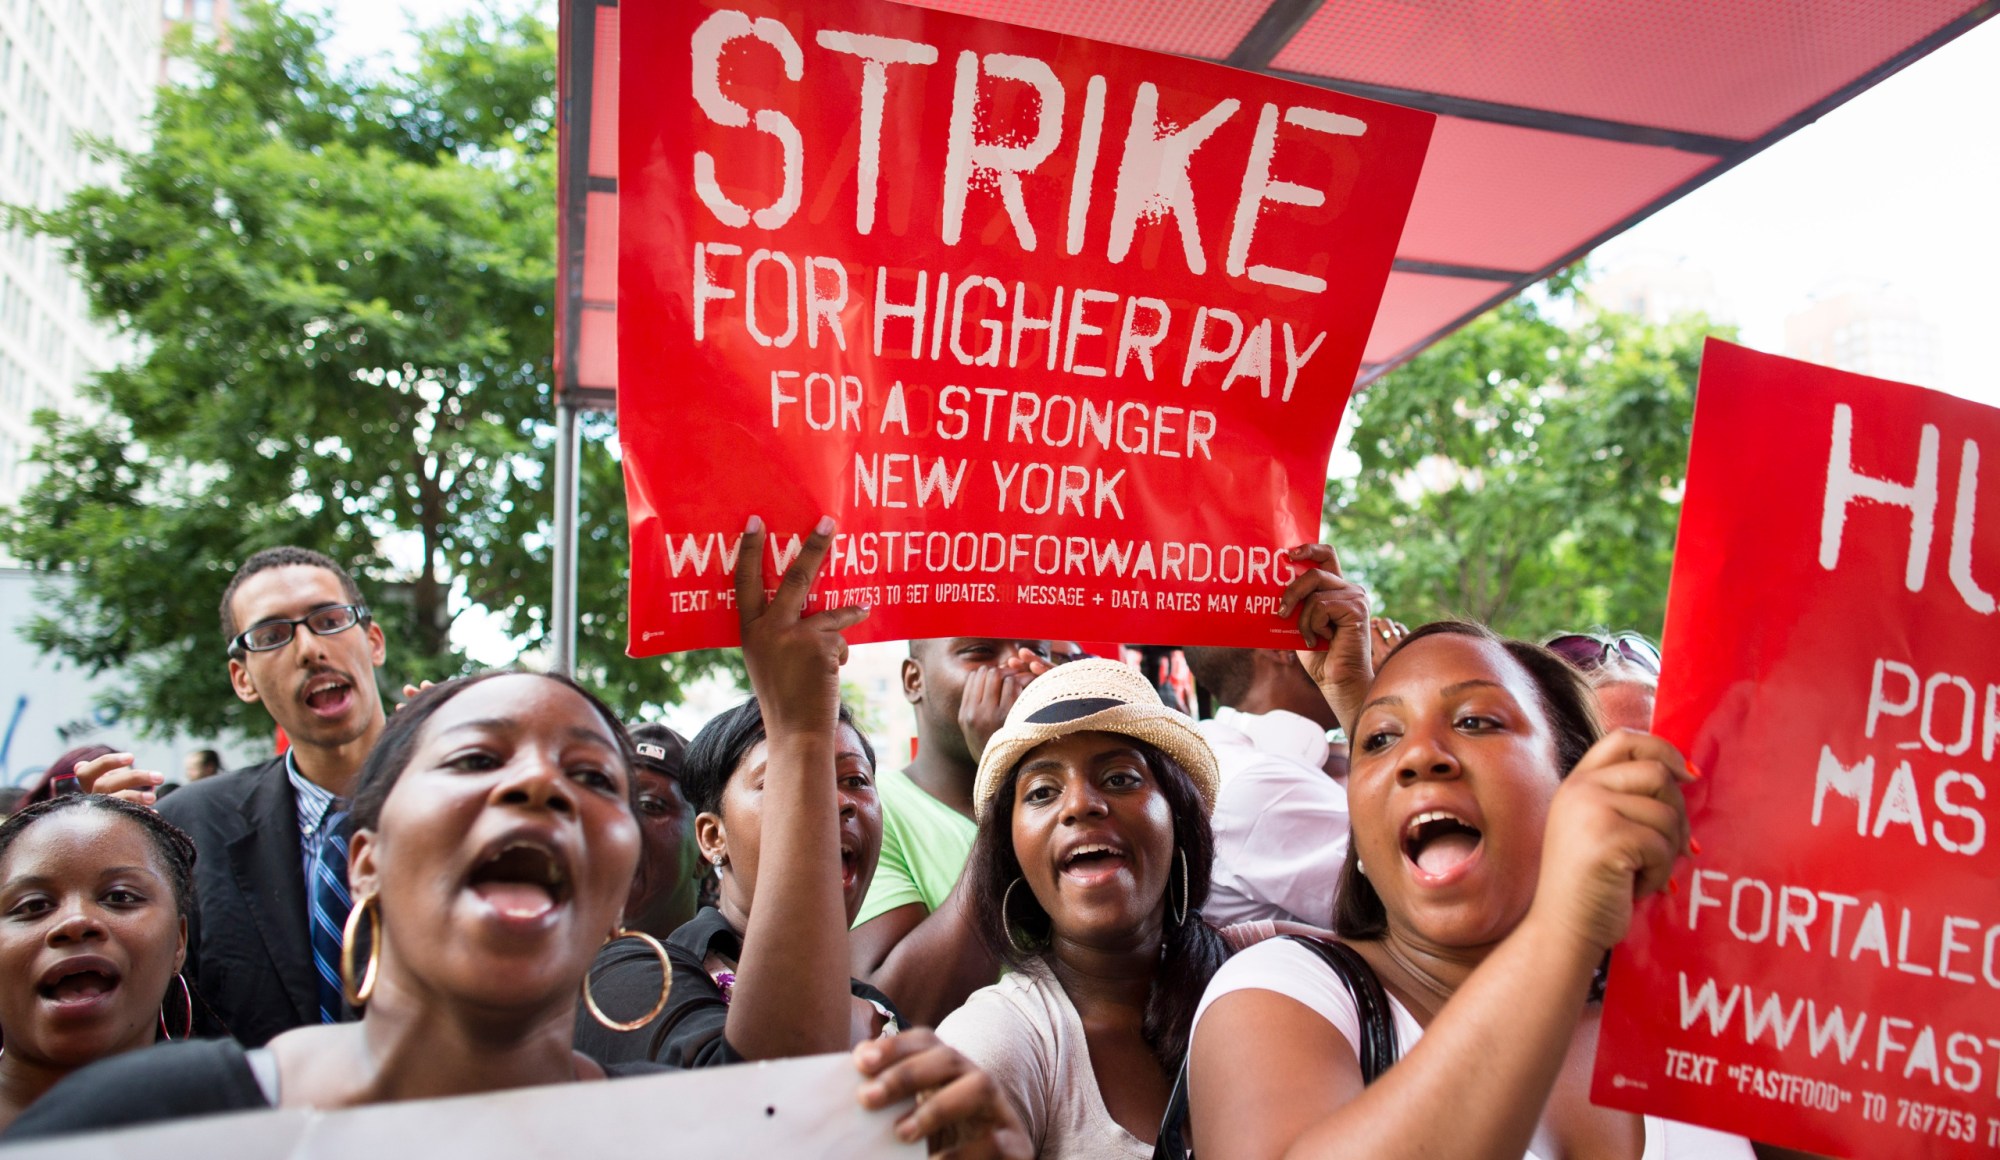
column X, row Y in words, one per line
column 69, row 69
column 1657, row 287
column 48, row 705
column 205, row 21
column 1870, row 331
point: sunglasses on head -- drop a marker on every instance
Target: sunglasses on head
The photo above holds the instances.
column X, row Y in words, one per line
column 1590, row 652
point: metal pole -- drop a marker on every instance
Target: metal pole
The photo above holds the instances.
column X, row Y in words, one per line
column 562, row 605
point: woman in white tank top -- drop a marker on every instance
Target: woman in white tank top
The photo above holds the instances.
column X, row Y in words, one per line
column 1498, row 847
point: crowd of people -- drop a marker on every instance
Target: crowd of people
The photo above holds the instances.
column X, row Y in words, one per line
column 1380, row 881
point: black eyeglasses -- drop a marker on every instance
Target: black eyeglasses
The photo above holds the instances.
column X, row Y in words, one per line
column 276, row 634
column 1590, row 653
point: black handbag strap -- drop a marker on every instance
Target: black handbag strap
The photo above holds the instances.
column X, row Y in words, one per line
column 1377, row 1048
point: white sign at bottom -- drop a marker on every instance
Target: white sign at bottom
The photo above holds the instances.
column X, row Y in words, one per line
column 797, row 1107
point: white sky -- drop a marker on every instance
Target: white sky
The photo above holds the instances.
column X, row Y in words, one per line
column 1896, row 189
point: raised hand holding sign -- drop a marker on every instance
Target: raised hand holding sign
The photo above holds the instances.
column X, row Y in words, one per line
column 1829, row 974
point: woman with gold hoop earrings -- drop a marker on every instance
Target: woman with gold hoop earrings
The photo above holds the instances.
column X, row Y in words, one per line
column 783, row 791
column 1089, row 871
column 94, row 899
column 493, row 849
column 786, row 815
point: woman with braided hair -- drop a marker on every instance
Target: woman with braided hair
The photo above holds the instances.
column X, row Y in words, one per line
column 94, row 898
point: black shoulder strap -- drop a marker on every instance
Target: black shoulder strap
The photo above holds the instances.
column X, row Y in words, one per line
column 1371, row 1003
column 1377, row 1049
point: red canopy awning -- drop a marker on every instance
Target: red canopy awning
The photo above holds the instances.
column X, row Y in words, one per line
column 1561, row 122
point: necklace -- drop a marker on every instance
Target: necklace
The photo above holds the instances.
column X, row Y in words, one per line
column 1413, row 971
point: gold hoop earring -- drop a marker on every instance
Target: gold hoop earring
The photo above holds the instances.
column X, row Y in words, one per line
column 357, row 996
column 666, row 984
column 1181, row 919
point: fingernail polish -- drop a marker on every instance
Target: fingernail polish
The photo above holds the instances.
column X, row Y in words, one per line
column 1694, row 843
column 755, row 525
column 1673, row 886
column 1694, row 771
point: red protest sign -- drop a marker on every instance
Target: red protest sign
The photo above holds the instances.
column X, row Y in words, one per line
column 1828, row 977
column 1059, row 332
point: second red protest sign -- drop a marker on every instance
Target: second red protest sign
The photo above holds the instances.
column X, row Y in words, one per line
column 1060, row 332
column 1828, row 977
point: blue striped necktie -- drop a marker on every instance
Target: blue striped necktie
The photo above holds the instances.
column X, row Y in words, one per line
column 330, row 904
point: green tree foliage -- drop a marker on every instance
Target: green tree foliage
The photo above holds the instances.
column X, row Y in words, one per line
column 1525, row 474
column 338, row 287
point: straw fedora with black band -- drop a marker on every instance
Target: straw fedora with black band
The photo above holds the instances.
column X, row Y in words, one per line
column 1093, row 696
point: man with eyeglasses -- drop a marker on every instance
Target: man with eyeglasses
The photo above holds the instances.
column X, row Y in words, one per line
column 271, row 871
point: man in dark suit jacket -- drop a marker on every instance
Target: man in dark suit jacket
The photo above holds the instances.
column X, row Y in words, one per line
column 301, row 643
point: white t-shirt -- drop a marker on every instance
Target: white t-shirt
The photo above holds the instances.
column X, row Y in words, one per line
column 1280, row 821
column 1024, row 1032
column 1286, row 968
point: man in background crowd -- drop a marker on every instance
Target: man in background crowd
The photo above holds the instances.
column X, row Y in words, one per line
column 664, row 893
column 202, row 763
column 271, row 872
column 911, row 939
column 1281, row 817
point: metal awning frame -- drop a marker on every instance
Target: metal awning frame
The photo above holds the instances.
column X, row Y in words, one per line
column 1262, row 44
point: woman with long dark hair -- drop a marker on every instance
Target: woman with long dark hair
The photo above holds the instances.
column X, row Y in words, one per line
column 94, row 900
column 1499, row 845
column 1089, row 872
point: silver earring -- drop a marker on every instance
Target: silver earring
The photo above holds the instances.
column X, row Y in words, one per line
column 1181, row 918
column 1360, row 868
column 716, row 859
column 1006, row 920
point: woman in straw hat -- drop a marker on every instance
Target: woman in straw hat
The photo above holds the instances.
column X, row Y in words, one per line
column 1088, row 875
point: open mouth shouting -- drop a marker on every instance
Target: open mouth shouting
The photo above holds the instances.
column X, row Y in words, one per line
column 1440, row 846
column 328, row 694
column 522, row 879
column 1094, row 861
column 850, row 864
column 79, row 984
